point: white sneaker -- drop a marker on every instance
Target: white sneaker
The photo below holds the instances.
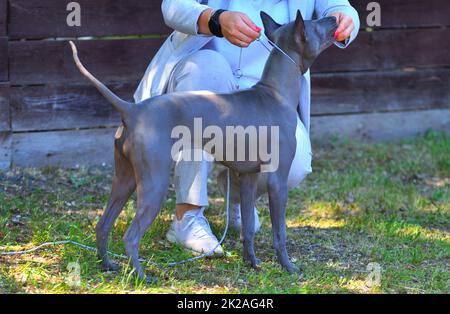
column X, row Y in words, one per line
column 235, row 218
column 194, row 233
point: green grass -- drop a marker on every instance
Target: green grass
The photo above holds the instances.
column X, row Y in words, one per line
column 364, row 203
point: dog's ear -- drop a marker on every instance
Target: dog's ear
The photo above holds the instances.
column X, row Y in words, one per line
column 299, row 28
column 269, row 24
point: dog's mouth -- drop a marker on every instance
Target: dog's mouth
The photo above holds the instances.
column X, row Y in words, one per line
column 332, row 27
column 329, row 39
column 333, row 30
column 331, row 33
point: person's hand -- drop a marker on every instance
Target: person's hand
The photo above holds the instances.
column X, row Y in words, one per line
column 346, row 26
column 238, row 29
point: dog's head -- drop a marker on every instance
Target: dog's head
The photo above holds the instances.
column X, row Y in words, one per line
column 302, row 40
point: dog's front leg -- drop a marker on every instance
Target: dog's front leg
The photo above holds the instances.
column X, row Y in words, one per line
column 278, row 194
column 248, row 186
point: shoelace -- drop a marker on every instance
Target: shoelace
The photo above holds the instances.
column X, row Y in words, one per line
column 203, row 228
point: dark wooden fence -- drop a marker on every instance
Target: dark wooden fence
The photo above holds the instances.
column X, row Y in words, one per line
column 392, row 82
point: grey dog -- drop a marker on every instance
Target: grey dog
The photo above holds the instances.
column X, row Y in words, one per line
column 143, row 142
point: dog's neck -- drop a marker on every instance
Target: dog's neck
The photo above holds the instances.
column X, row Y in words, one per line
column 281, row 77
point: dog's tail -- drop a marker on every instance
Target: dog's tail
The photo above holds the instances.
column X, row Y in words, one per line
column 121, row 105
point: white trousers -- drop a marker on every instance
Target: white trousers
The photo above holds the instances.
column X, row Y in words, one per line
column 209, row 70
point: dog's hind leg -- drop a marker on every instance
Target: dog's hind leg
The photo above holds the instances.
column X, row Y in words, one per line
column 151, row 192
column 248, row 186
column 122, row 188
column 278, row 194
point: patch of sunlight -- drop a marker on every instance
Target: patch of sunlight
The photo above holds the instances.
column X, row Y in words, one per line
column 28, row 275
column 86, row 213
column 423, row 233
column 361, row 286
column 437, row 182
column 328, row 210
column 43, row 260
column 217, row 201
column 433, row 209
column 323, row 223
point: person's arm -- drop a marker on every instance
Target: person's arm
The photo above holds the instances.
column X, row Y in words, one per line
column 190, row 17
column 203, row 21
column 183, row 15
column 347, row 16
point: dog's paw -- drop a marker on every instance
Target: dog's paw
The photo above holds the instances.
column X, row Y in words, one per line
column 150, row 280
column 292, row 269
column 253, row 262
column 110, row 266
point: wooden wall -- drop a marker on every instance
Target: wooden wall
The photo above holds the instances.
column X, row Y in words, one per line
column 50, row 115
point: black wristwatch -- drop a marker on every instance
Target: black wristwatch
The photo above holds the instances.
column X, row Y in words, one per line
column 214, row 25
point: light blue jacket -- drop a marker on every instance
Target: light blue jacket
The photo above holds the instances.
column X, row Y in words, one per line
column 182, row 16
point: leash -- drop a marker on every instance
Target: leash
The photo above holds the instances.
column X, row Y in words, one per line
column 238, row 73
column 276, row 47
column 171, row 264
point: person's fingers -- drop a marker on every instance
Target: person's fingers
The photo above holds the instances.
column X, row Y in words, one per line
column 346, row 33
column 237, row 42
column 235, row 36
column 250, row 29
column 239, row 29
column 250, row 24
column 248, row 32
column 241, row 43
column 344, row 23
column 338, row 17
column 240, row 35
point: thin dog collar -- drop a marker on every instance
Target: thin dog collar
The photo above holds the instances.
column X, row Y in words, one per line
column 279, row 49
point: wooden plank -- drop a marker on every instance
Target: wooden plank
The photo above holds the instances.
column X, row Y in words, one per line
column 40, row 62
column 3, row 17
column 380, row 91
column 43, row 62
column 81, row 106
column 5, row 150
column 407, row 13
column 56, row 107
column 95, row 147
column 66, row 149
column 5, row 120
column 47, row 18
column 379, row 126
column 3, row 59
column 389, row 49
